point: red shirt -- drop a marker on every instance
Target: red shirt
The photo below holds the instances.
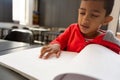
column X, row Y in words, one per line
column 72, row 40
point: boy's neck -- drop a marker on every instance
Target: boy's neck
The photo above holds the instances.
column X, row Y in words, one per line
column 91, row 36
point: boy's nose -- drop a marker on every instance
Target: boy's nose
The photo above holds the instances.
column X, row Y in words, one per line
column 86, row 19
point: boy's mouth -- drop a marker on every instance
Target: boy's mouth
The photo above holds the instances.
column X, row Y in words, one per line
column 84, row 27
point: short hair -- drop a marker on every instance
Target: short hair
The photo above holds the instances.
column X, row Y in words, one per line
column 108, row 5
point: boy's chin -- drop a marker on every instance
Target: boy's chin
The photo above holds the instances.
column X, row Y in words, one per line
column 84, row 32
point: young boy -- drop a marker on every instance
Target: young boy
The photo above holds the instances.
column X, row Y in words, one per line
column 92, row 15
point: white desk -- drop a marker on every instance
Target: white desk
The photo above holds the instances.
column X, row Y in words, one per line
column 5, row 25
column 8, row 26
column 38, row 31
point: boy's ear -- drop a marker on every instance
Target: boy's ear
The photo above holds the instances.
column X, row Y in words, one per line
column 107, row 20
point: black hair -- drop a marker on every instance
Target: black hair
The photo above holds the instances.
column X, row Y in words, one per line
column 108, row 5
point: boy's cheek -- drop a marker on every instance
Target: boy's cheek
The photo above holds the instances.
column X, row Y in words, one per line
column 79, row 20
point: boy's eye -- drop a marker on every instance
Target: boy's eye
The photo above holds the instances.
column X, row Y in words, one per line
column 82, row 13
column 93, row 15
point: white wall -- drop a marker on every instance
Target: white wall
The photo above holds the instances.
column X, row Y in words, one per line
column 29, row 11
column 23, row 11
column 115, row 14
column 16, row 8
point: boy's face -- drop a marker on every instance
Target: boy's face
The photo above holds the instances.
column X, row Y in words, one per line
column 91, row 16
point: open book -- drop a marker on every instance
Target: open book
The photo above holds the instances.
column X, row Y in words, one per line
column 94, row 61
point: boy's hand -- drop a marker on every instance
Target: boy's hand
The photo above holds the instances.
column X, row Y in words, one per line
column 49, row 50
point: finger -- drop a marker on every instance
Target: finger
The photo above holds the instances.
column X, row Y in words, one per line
column 46, row 50
column 41, row 55
column 48, row 55
column 58, row 54
column 43, row 51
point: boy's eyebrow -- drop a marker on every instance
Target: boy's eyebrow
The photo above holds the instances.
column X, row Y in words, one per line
column 92, row 10
column 96, row 11
column 82, row 8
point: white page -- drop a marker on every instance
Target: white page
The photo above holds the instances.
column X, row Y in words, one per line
column 98, row 61
column 94, row 60
column 28, row 62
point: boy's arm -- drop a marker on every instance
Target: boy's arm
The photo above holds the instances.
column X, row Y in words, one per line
column 63, row 38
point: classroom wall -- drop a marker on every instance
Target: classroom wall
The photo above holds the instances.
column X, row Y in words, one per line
column 58, row 13
column 5, row 10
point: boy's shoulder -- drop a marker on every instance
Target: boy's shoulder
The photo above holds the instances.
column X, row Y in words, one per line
column 74, row 24
column 73, row 27
column 109, row 36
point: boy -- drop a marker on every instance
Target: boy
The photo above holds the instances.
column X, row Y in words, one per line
column 92, row 15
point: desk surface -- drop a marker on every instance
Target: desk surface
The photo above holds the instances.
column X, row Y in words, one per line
column 7, row 25
column 31, row 27
column 6, row 45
